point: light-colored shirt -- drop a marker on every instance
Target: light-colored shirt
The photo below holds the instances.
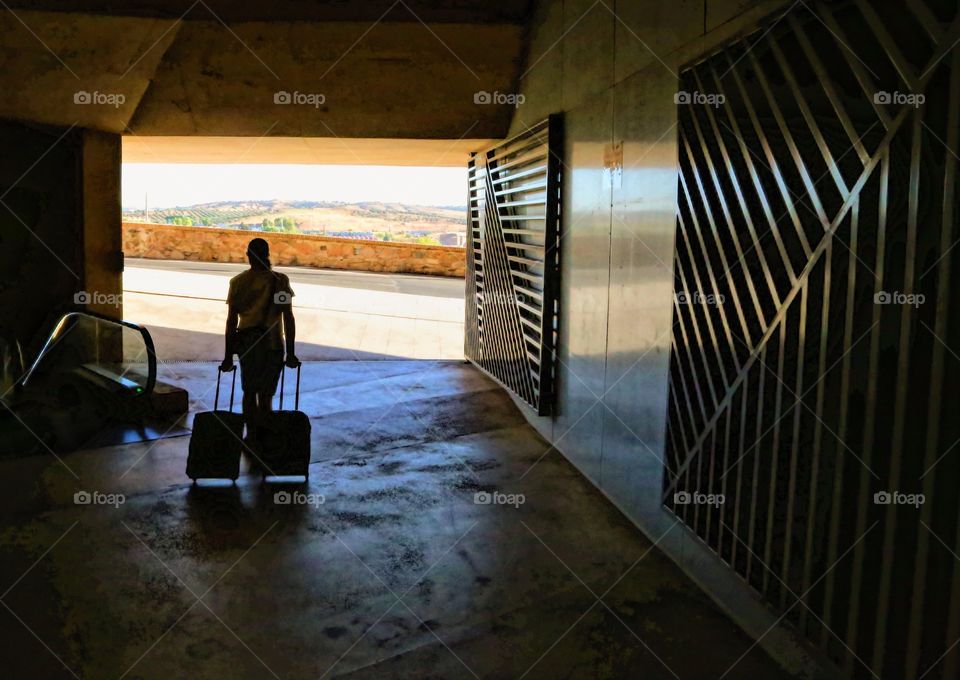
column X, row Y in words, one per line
column 259, row 298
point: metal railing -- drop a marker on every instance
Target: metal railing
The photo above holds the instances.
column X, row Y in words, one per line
column 513, row 271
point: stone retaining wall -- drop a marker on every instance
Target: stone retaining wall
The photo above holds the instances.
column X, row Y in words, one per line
column 171, row 242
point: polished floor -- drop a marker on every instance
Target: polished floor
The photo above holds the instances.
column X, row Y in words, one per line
column 387, row 564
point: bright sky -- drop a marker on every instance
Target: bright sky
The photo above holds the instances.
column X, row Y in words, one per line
column 167, row 185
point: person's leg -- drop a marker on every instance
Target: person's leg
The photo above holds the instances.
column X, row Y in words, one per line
column 265, row 402
column 251, row 374
column 251, row 413
column 272, row 369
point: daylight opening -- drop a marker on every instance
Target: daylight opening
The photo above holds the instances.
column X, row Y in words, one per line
column 374, row 254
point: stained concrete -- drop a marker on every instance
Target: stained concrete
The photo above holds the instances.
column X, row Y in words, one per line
column 390, row 76
column 397, row 574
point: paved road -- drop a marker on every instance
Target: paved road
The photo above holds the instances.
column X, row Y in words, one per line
column 340, row 315
column 407, row 284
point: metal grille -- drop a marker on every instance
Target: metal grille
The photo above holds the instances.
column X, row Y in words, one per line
column 815, row 365
column 513, row 262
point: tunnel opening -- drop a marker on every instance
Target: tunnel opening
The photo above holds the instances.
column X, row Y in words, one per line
column 374, row 253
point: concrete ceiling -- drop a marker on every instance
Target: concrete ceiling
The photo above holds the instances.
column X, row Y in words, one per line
column 430, row 11
column 380, row 69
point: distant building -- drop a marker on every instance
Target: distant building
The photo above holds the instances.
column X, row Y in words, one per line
column 452, row 238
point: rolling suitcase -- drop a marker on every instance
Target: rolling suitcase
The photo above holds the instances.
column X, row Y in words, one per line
column 216, row 440
column 284, row 438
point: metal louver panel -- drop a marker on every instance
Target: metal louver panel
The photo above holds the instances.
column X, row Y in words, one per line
column 513, row 262
column 815, row 368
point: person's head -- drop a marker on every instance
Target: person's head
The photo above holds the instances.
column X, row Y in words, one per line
column 258, row 253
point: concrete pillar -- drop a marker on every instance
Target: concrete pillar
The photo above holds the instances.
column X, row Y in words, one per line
column 102, row 219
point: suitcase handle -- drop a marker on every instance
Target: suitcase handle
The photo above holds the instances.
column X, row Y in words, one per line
column 233, row 387
column 283, row 373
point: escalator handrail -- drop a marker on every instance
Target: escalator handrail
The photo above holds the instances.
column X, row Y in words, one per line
column 144, row 334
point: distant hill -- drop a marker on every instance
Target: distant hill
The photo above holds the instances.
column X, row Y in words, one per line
column 366, row 219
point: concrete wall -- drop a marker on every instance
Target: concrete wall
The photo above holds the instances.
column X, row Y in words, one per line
column 59, row 226
column 102, row 216
column 613, row 71
column 169, row 242
column 41, row 244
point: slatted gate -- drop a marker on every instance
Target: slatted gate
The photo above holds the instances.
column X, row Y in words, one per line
column 815, row 369
column 513, row 260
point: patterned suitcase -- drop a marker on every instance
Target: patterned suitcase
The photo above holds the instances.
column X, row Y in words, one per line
column 216, row 440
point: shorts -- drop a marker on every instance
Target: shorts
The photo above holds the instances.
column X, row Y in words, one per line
column 260, row 364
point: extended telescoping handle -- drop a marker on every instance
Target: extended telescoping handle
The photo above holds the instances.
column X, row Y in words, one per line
column 233, row 387
column 283, row 373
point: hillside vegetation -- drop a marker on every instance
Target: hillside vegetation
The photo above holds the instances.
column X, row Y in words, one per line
column 370, row 220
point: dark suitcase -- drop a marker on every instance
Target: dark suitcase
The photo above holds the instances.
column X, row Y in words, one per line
column 216, row 440
column 284, row 438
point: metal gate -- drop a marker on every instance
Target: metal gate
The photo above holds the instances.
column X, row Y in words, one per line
column 513, row 262
column 814, row 416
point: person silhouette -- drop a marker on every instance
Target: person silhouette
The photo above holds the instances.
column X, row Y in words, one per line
column 260, row 324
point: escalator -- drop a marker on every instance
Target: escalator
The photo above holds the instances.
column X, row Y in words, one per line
column 93, row 383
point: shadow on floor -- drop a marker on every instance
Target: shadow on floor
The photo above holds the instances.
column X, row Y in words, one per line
column 209, row 346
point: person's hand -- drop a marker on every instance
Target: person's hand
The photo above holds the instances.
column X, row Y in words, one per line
column 227, row 364
column 292, row 361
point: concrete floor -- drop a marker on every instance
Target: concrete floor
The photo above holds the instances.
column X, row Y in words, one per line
column 341, row 315
column 398, row 573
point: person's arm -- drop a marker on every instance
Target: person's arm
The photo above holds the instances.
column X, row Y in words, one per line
column 285, row 302
column 290, row 334
column 229, row 334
